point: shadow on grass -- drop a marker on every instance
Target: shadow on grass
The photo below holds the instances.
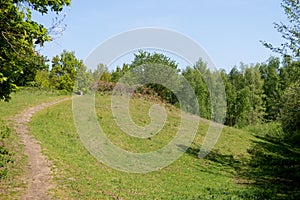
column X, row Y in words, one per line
column 237, row 167
column 271, row 172
column 275, row 166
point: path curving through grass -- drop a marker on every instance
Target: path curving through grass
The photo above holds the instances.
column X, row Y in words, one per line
column 39, row 177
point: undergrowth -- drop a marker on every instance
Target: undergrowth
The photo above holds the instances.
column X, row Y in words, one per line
column 5, row 154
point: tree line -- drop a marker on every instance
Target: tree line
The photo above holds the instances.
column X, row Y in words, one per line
column 255, row 94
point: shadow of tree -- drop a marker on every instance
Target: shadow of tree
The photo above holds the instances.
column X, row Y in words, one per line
column 275, row 166
column 215, row 156
column 272, row 171
column 237, row 168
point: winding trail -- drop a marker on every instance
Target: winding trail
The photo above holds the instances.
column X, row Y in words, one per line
column 40, row 175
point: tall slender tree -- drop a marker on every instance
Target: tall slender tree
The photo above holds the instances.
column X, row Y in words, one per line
column 270, row 73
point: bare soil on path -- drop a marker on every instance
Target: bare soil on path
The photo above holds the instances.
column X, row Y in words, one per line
column 39, row 167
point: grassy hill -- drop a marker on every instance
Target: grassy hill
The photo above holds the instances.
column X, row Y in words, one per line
column 12, row 158
column 79, row 176
column 242, row 165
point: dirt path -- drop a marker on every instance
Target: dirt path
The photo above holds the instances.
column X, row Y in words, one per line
column 39, row 180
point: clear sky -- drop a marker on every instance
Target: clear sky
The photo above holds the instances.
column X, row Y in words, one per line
column 229, row 30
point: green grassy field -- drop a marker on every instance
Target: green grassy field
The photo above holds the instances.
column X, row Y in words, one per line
column 13, row 160
column 25, row 98
column 244, row 164
column 78, row 175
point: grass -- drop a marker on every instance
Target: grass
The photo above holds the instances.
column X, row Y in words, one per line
column 253, row 163
column 274, row 163
column 78, row 175
column 25, row 98
column 12, row 158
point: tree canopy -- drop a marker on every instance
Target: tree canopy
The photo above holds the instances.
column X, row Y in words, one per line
column 290, row 32
column 18, row 38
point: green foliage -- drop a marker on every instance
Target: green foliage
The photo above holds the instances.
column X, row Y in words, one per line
column 19, row 35
column 254, row 94
column 12, row 151
column 120, row 72
column 69, row 74
column 140, row 66
column 187, row 178
column 45, row 6
column 195, row 78
column 143, row 58
column 102, row 73
column 42, row 79
column 5, row 154
column 290, row 113
column 290, row 32
column 84, row 79
column 244, row 95
column 283, row 91
column 289, row 72
column 243, row 107
column 141, row 62
column 231, row 97
column 116, row 75
column 271, row 75
column 274, row 164
column 255, row 83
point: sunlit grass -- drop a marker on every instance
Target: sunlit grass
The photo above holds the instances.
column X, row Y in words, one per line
column 12, row 185
column 78, row 175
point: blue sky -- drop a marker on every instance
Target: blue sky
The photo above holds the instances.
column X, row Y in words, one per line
column 229, row 30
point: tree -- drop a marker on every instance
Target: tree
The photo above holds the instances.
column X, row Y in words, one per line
column 142, row 61
column 237, row 97
column 289, row 73
column 270, row 73
column 18, row 38
column 68, row 73
column 209, row 89
column 290, row 113
column 255, row 83
column 102, row 73
column 195, row 76
column 290, row 32
column 244, row 94
column 42, row 79
column 30, row 71
column 243, row 107
column 230, row 100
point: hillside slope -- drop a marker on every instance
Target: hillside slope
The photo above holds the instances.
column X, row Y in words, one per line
column 78, row 175
column 14, row 167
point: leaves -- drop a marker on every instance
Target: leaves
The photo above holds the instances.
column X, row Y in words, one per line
column 18, row 37
column 290, row 113
column 69, row 74
column 290, row 32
